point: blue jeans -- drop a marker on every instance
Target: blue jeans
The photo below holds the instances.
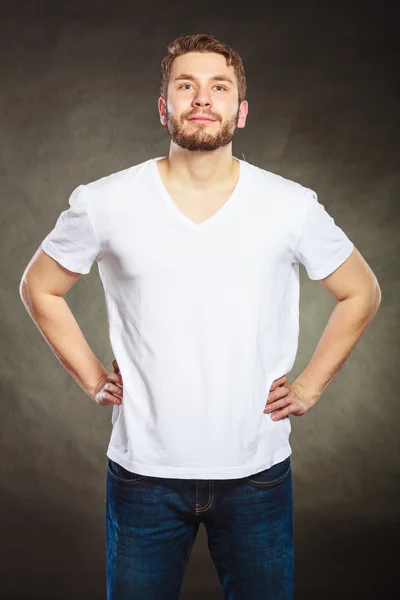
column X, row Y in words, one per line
column 152, row 522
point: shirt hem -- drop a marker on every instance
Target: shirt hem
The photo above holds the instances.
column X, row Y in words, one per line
column 333, row 264
column 49, row 249
column 184, row 472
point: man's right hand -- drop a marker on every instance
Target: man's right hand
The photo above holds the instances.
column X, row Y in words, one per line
column 107, row 391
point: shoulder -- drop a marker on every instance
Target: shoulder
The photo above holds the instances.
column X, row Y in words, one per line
column 280, row 186
column 118, row 180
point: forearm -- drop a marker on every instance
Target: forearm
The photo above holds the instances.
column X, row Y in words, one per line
column 348, row 321
column 61, row 331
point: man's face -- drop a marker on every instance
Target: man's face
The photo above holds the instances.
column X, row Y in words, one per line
column 197, row 86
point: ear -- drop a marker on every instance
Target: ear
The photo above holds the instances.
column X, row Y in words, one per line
column 243, row 111
column 162, row 108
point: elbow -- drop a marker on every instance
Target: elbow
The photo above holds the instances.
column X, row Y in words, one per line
column 23, row 292
column 25, row 295
column 376, row 295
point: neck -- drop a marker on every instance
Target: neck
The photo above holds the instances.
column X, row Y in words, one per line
column 200, row 170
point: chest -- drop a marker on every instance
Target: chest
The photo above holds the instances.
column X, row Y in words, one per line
column 239, row 249
column 198, row 208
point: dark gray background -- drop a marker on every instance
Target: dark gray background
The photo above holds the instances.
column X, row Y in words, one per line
column 79, row 90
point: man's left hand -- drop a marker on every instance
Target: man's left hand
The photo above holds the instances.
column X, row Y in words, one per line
column 287, row 399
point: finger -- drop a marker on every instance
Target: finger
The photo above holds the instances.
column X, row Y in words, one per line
column 103, row 402
column 278, row 382
column 114, row 389
column 280, row 392
column 115, row 377
column 116, row 368
column 111, row 397
column 277, row 404
column 282, row 414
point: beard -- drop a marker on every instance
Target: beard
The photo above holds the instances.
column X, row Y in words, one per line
column 199, row 138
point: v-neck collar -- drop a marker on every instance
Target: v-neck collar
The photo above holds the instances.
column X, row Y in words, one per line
column 171, row 204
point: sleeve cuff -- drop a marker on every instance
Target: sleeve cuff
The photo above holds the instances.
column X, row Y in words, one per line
column 62, row 260
column 333, row 264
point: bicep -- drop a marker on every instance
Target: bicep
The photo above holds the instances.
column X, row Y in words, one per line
column 44, row 275
column 351, row 278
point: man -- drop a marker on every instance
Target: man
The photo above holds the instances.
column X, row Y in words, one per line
column 199, row 257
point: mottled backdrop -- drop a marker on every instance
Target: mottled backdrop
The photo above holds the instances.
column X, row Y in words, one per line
column 78, row 99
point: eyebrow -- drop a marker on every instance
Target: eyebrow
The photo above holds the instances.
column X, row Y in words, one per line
column 213, row 78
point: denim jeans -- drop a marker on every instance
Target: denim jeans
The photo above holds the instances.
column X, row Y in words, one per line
column 152, row 522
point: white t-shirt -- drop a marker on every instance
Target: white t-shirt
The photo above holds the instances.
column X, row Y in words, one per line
column 202, row 317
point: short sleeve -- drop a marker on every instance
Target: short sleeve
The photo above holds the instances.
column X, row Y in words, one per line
column 322, row 246
column 73, row 242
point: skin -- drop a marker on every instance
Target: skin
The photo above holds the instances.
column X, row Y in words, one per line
column 200, row 162
column 200, row 155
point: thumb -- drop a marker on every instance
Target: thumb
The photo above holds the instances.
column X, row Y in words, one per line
column 115, row 365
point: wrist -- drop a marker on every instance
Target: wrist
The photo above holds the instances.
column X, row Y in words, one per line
column 94, row 386
column 305, row 387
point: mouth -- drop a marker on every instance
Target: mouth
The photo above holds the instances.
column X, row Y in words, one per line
column 201, row 120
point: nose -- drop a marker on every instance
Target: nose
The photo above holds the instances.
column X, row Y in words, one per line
column 202, row 98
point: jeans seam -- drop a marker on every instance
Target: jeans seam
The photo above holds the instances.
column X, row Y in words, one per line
column 268, row 483
column 127, row 481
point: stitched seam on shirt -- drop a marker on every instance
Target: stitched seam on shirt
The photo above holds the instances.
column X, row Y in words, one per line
column 339, row 257
column 302, row 227
column 60, row 255
column 91, row 223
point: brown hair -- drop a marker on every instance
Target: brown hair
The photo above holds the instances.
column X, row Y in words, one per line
column 202, row 42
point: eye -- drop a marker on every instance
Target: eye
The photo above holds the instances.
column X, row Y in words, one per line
column 185, row 84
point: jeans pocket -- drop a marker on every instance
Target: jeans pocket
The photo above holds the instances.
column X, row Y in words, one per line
column 122, row 475
column 271, row 476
